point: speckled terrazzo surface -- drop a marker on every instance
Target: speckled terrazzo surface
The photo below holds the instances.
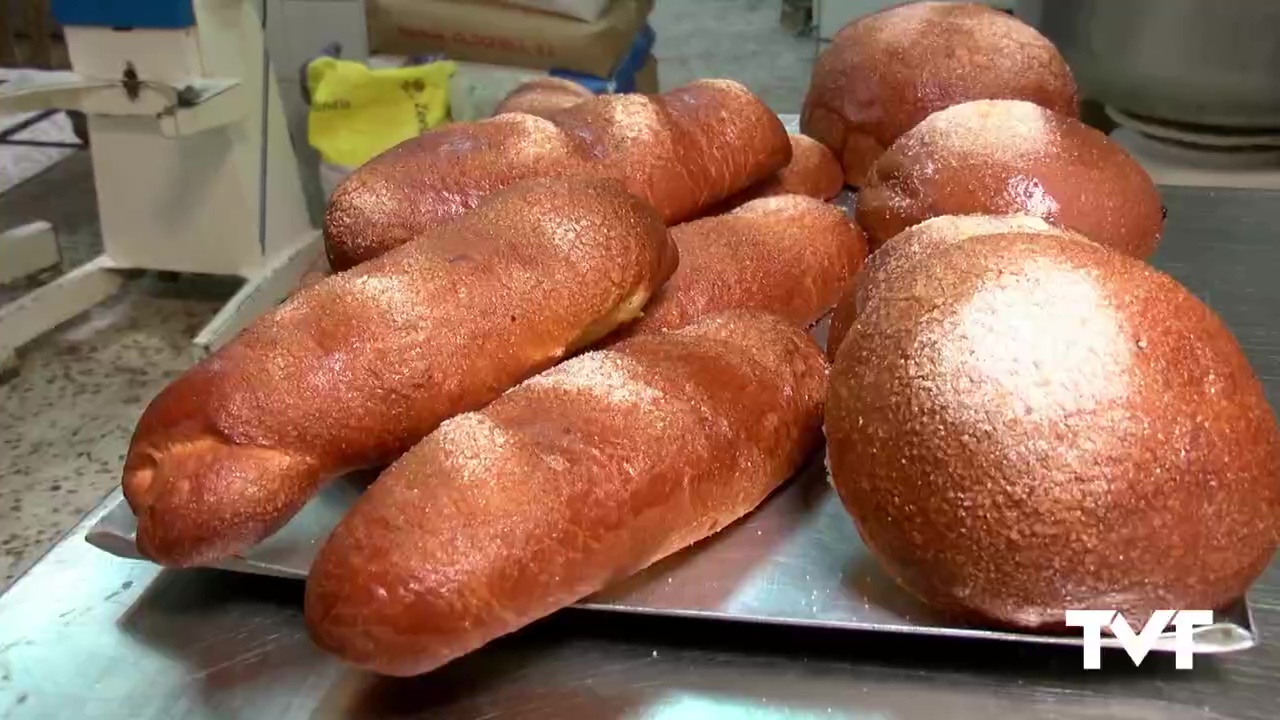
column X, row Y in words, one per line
column 65, row 419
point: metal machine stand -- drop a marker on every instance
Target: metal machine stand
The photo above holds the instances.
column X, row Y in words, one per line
column 193, row 165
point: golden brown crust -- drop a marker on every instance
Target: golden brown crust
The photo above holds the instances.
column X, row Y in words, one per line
column 885, row 72
column 1038, row 423
column 787, row 255
column 681, row 151
column 1003, row 157
column 578, row 477
column 902, row 253
column 813, row 171
column 543, row 97
column 352, row 371
column 317, row 271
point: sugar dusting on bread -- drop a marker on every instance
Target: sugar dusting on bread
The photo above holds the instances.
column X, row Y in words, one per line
column 680, row 151
column 886, row 72
column 787, row 255
column 605, row 375
column 570, row 481
column 1012, row 156
column 998, row 131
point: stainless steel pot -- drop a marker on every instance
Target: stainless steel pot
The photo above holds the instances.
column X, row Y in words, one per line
column 1204, row 62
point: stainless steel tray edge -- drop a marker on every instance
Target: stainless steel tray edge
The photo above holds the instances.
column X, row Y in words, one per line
column 796, row 561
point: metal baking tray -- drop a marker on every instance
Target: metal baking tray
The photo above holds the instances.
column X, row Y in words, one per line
column 797, row 560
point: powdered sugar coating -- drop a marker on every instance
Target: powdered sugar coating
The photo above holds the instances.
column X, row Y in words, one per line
column 903, row 254
column 572, row 480
column 681, row 151
column 1030, row 422
column 1000, row 157
column 354, row 370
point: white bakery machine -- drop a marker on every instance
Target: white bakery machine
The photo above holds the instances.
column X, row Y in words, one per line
column 180, row 99
column 1176, row 154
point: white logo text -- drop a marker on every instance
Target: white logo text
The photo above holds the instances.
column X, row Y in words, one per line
column 1138, row 645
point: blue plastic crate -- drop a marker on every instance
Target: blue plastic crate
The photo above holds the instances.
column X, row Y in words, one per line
column 624, row 77
column 151, row 14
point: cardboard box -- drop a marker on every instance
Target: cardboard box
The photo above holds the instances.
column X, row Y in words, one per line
column 476, row 89
column 503, row 35
column 581, row 9
column 647, row 78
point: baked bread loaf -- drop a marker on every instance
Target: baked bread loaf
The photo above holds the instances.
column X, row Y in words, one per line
column 885, row 72
column 317, row 271
column 681, row 151
column 1001, row 157
column 813, row 171
column 543, row 97
column 901, row 255
column 787, row 255
column 353, row 371
column 576, row 478
column 1038, row 423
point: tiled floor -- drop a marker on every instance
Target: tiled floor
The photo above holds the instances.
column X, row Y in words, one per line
column 65, row 420
column 740, row 39
column 23, row 161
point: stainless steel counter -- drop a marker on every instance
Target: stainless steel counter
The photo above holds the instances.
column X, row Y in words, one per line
column 87, row 635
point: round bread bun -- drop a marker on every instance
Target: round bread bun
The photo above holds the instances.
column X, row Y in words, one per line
column 543, row 97
column 812, row 171
column 907, row 247
column 1001, row 157
column 885, row 72
column 1039, row 423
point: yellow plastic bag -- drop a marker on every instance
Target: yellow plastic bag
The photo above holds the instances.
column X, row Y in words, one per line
column 357, row 113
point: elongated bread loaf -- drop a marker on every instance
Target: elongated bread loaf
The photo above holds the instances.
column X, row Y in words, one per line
column 543, row 97
column 788, row 255
column 353, row 371
column 682, row 151
column 812, row 171
column 578, row 477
